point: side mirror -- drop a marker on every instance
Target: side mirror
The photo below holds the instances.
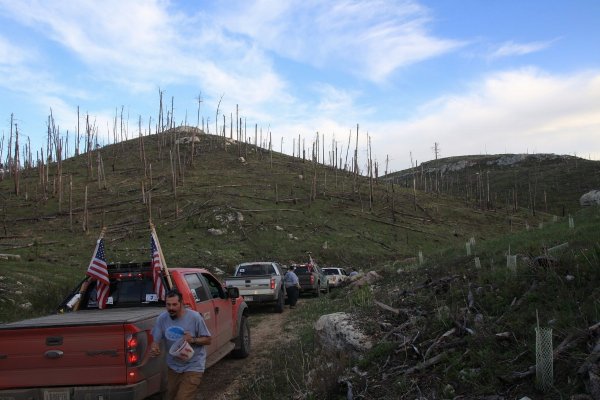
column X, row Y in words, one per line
column 233, row 292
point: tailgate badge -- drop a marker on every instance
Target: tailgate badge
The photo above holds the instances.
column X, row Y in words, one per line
column 53, row 354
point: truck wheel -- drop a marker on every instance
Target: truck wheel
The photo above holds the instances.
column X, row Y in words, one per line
column 280, row 305
column 318, row 291
column 242, row 349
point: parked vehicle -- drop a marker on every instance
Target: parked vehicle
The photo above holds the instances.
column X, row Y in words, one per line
column 93, row 353
column 259, row 282
column 336, row 276
column 312, row 279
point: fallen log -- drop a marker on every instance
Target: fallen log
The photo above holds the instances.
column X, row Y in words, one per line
column 516, row 304
column 386, row 307
column 427, row 363
column 438, row 341
column 591, row 359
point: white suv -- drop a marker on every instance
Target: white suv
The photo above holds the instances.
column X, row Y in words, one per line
column 336, row 276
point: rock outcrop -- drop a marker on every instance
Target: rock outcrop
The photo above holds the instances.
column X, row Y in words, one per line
column 591, row 198
column 339, row 333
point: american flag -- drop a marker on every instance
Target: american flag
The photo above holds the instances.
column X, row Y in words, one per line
column 157, row 267
column 99, row 271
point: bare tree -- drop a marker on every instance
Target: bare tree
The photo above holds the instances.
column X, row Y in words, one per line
column 217, row 115
column 436, row 149
column 199, row 98
column 16, row 160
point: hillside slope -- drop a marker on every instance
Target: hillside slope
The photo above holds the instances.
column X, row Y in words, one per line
column 536, row 182
column 215, row 202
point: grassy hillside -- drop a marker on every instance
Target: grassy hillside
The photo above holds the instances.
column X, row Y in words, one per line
column 228, row 202
column 533, row 182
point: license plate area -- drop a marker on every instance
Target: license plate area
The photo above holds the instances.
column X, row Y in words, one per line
column 57, row 394
column 248, row 298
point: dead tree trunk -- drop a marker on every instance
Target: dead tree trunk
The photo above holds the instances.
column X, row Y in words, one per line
column 16, row 160
column 71, row 203
column 85, row 210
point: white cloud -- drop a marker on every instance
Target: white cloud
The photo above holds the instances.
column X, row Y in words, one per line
column 10, row 55
column 510, row 48
column 513, row 111
column 334, row 100
column 370, row 39
column 144, row 44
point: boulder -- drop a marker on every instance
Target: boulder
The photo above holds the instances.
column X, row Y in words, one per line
column 591, row 198
column 217, row 232
column 367, row 279
column 338, row 333
column 188, row 139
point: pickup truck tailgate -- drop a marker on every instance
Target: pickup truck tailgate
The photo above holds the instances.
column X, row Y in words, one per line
column 252, row 285
column 82, row 348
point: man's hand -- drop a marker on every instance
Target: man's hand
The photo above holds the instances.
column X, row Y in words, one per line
column 154, row 349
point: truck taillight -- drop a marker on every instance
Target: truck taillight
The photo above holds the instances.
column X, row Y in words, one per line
column 272, row 283
column 136, row 344
column 312, row 279
column 132, row 358
column 132, row 342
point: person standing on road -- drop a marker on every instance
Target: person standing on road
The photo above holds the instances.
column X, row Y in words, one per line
column 184, row 376
column 292, row 286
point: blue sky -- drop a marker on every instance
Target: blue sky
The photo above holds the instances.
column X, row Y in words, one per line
column 475, row 76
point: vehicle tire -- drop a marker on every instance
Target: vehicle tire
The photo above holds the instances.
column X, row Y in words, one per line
column 280, row 305
column 318, row 290
column 242, row 345
column 327, row 289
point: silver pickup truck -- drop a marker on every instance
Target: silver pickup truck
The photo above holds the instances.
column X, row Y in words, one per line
column 259, row 282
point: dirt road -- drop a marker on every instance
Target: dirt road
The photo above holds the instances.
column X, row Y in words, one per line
column 222, row 381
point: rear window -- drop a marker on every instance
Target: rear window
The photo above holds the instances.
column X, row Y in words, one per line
column 131, row 284
column 303, row 270
column 331, row 271
column 133, row 291
column 125, row 292
column 255, row 269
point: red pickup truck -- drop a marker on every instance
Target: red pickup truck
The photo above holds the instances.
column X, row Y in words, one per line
column 104, row 354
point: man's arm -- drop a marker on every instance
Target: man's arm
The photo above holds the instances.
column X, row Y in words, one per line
column 199, row 340
column 154, row 349
column 156, row 338
column 202, row 340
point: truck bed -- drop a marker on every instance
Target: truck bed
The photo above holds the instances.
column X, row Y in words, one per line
column 79, row 348
column 88, row 317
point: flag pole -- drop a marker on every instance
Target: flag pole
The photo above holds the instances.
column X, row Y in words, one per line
column 82, row 290
column 162, row 256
